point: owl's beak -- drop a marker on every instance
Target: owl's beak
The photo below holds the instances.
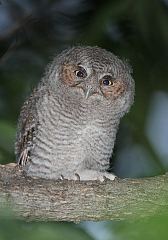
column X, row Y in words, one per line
column 91, row 91
column 88, row 92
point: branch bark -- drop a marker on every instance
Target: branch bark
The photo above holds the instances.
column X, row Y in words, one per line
column 47, row 200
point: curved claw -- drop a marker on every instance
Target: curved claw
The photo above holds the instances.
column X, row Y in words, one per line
column 77, row 176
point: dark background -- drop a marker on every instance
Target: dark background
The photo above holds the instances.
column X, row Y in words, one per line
column 32, row 32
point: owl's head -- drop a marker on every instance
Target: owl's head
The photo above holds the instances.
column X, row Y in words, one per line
column 94, row 73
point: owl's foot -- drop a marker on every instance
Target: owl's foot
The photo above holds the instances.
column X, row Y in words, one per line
column 86, row 175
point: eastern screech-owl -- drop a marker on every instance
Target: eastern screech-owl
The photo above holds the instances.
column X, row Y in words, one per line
column 67, row 127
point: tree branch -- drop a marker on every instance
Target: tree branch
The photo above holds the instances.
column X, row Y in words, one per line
column 47, row 200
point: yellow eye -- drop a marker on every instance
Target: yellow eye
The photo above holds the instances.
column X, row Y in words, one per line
column 107, row 80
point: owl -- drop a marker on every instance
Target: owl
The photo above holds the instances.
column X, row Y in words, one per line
column 67, row 127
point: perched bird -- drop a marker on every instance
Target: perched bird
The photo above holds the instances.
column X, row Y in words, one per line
column 67, row 127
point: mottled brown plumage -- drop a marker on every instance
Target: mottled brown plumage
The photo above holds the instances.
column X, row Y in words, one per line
column 67, row 127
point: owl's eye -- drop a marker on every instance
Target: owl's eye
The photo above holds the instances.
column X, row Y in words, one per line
column 81, row 72
column 107, row 80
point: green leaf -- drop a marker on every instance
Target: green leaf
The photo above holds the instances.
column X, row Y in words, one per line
column 7, row 139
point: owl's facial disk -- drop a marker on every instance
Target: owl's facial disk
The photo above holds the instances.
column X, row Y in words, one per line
column 93, row 83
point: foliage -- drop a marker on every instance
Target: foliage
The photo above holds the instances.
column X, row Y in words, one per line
column 10, row 228
column 152, row 228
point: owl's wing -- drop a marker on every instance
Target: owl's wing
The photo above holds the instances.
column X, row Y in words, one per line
column 27, row 127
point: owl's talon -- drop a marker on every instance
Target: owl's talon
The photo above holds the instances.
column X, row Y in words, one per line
column 92, row 175
column 104, row 178
column 77, row 176
column 62, row 177
column 109, row 176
